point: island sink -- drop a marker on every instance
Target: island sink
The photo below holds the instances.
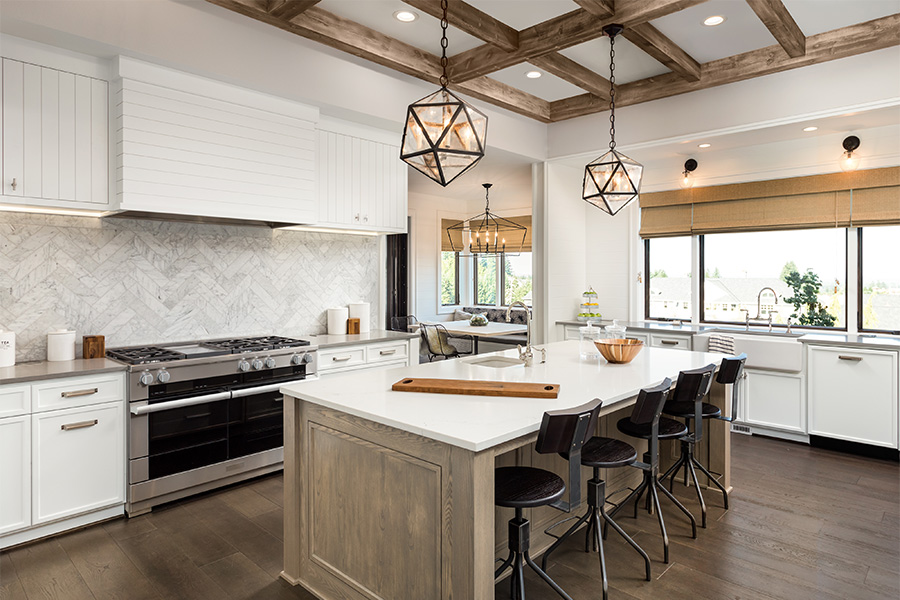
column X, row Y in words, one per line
column 496, row 362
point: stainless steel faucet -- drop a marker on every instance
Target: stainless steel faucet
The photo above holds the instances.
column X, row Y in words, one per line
column 759, row 303
column 526, row 355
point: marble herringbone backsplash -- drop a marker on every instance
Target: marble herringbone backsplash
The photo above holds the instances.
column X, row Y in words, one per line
column 144, row 282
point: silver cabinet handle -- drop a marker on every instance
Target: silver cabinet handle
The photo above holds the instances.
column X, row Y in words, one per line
column 388, row 352
column 79, row 425
column 77, row 393
column 341, row 358
column 668, row 342
column 13, row 184
column 853, row 358
column 366, row 218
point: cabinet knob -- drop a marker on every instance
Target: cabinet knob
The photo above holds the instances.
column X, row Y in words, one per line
column 13, row 184
column 366, row 218
column 355, row 218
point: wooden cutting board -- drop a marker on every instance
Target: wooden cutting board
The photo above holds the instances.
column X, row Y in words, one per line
column 477, row 388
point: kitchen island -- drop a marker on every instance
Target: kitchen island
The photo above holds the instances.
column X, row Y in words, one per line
column 391, row 494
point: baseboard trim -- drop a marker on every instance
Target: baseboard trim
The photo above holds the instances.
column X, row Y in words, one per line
column 867, row 450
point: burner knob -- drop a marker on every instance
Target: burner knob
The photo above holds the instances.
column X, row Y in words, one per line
column 306, row 359
column 146, row 378
column 163, row 376
column 270, row 363
column 243, row 365
column 257, row 364
column 296, row 359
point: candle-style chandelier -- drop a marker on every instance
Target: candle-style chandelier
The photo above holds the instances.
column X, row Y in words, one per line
column 487, row 234
column 612, row 180
column 443, row 137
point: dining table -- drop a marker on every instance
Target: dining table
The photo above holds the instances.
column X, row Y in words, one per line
column 477, row 332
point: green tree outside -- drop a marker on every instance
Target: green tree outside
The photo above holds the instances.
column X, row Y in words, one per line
column 805, row 300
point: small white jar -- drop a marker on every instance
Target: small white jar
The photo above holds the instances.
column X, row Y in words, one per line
column 60, row 345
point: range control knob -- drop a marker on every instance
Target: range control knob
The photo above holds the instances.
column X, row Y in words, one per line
column 243, row 365
column 163, row 376
column 257, row 364
column 306, row 359
column 297, row 359
column 270, row 363
column 146, row 378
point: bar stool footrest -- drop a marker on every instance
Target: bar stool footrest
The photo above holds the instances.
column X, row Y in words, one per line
column 557, row 524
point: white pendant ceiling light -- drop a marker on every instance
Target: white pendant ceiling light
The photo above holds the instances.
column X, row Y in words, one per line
column 444, row 137
column 612, row 180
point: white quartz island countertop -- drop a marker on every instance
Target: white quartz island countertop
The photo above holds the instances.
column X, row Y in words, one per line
column 476, row 423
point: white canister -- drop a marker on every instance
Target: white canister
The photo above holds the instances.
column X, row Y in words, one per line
column 361, row 311
column 337, row 320
column 61, row 345
column 7, row 348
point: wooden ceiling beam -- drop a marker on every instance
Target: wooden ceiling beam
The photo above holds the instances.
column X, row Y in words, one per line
column 599, row 8
column 781, row 24
column 476, row 23
column 288, row 9
column 351, row 37
column 830, row 45
column 652, row 41
column 569, row 70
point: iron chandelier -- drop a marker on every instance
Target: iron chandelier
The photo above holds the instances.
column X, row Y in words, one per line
column 487, row 234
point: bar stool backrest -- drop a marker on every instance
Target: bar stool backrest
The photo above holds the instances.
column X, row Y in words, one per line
column 405, row 324
column 729, row 373
column 567, row 430
column 650, row 403
column 693, row 385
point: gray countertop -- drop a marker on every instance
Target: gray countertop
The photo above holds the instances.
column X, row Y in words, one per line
column 38, row 370
column 376, row 335
column 881, row 342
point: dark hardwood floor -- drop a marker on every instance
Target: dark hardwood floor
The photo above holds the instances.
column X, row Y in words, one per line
column 804, row 524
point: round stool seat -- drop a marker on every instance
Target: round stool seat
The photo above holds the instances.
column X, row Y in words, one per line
column 685, row 409
column 607, row 453
column 526, row 487
column 668, row 428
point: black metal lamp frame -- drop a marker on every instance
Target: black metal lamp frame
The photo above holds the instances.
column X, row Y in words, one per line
column 489, row 223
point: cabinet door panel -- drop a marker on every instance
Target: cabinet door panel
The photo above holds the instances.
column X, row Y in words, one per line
column 99, row 142
column 82, row 139
column 66, row 136
column 50, row 133
column 775, row 400
column 853, row 395
column 31, row 173
column 13, row 127
column 78, row 464
column 15, row 473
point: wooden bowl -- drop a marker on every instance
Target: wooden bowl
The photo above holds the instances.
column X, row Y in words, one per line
column 619, row 350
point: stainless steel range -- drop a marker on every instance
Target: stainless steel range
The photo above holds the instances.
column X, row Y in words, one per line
column 206, row 414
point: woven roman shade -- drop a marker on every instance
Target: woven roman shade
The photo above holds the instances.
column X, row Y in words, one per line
column 835, row 200
column 445, row 238
column 525, row 221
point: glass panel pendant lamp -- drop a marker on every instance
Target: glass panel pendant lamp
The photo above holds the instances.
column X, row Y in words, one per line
column 612, row 180
column 444, row 137
column 487, row 234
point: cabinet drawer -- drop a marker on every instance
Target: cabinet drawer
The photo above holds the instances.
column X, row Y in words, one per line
column 15, row 400
column 341, row 358
column 78, row 391
column 78, row 460
column 670, row 341
column 386, row 352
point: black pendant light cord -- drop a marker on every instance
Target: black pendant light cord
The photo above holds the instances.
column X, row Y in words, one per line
column 612, row 91
column 444, row 60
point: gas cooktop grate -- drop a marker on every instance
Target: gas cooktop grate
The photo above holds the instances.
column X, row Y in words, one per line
column 256, row 344
column 144, row 355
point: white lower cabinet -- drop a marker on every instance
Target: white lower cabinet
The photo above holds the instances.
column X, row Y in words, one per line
column 78, row 460
column 376, row 355
column 15, row 473
column 634, row 335
column 853, row 394
column 774, row 400
column 681, row 342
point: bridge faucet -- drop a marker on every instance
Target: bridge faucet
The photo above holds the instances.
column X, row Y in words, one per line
column 759, row 302
column 526, row 356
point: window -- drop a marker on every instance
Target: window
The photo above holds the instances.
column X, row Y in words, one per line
column 667, row 287
column 516, row 279
column 879, row 277
column 449, row 278
column 486, row 280
column 799, row 274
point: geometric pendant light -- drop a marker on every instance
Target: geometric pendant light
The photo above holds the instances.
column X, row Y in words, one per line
column 487, row 234
column 612, row 180
column 443, row 137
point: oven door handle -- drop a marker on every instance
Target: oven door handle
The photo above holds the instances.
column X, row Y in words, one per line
column 152, row 408
column 272, row 387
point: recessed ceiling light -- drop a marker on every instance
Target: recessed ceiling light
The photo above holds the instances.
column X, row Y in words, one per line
column 406, row 16
column 704, row 145
column 713, row 20
column 810, row 128
column 533, row 74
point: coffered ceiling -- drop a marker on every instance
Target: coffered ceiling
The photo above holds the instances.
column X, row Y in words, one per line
column 665, row 50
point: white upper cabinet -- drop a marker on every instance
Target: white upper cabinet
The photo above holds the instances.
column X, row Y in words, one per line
column 362, row 181
column 55, row 137
column 188, row 145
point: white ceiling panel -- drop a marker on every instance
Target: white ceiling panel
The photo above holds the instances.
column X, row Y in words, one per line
column 521, row 14
column 632, row 63
column 741, row 32
column 423, row 33
column 547, row 86
column 818, row 16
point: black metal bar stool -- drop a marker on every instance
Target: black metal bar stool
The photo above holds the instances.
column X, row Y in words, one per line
column 599, row 453
column 529, row 487
column 730, row 371
column 646, row 422
column 687, row 403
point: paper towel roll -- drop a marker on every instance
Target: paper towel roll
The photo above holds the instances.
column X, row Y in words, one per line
column 7, row 348
column 337, row 320
column 61, row 345
column 361, row 311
